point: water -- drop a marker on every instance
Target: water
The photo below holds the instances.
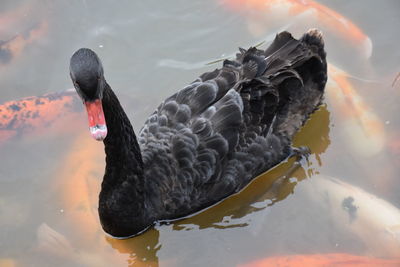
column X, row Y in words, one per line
column 49, row 181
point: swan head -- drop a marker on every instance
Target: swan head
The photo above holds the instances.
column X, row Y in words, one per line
column 87, row 75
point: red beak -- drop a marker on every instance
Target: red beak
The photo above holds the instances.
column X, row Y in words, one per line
column 97, row 121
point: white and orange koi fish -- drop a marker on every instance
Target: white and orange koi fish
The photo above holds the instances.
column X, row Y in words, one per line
column 263, row 14
column 13, row 47
column 33, row 115
column 78, row 183
column 364, row 128
column 20, row 27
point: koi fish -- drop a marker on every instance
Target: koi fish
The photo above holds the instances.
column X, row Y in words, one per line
column 78, row 182
column 271, row 11
column 34, row 114
column 13, row 47
column 19, row 28
column 51, row 241
column 17, row 18
column 322, row 260
column 365, row 129
column 373, row 220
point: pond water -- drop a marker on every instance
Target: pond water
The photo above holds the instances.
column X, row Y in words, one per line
column 49, row 180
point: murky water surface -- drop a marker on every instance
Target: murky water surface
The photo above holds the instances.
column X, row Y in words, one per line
column 49, row 180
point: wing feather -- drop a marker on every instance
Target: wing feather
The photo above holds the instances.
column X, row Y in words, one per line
column 213, row 136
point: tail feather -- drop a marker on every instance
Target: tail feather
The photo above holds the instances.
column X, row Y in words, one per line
column 283, row 83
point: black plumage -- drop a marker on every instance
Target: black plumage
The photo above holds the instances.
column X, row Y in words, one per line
column 209, row 139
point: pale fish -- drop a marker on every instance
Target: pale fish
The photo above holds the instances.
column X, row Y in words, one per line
column 373, row 220
column 364, row 128
column 53, row 242
column 263, row 14
column 37, row 114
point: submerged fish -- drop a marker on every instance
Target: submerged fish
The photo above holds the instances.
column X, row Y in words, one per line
column 263, row 13
column 33, row 114
column 26, row 23
column 373, row 220
column 78, row 185
column 365, row 130
column 53, row 242
column 18, row 18
column 13, row 47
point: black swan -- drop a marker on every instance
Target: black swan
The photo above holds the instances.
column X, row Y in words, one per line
column 208, row 140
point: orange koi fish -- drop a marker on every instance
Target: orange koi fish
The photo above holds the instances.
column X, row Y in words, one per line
column 32, row 114
column 14, row 46
column 323, row 260
column 79, row 178
column 20, row 27
column 53, row 242
column 363, row 126
column 288, row 9
column 14, row 20
column 365, row 132
column 78, row 182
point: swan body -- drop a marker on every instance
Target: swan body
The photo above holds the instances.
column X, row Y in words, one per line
column 208, row 140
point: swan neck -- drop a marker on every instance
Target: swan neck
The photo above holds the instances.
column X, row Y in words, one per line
column 121, row 146
column 122, row 196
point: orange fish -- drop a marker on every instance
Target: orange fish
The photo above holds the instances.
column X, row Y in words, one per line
column 287, row 9
column 33, row 114
column 78, row 182
column 14, row 46
column 323, row 260
column 20, row 27
column 16, row 19
column 52, row 242
column 365, row 129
